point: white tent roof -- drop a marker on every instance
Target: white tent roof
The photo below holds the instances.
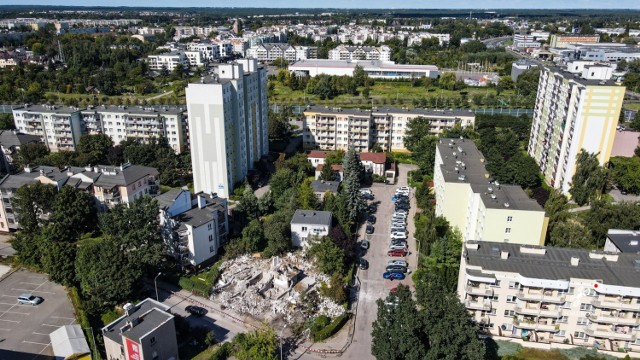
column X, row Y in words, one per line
column 69, row 340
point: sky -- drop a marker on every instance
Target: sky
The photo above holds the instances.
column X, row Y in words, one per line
column 377, row 4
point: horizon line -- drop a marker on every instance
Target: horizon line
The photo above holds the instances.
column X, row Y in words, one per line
column 305, row 8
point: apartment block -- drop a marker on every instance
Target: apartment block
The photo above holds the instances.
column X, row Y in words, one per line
column 344, row 52
column 272, row 51
column 228, row 125
column 108, row 185
column 194, row 227
column 306, row 224
column 327, row 128
column 483, row 209
column 146, row 331
column 59, row 127
column 167, row 61
column 573, row 112
column 553, row 295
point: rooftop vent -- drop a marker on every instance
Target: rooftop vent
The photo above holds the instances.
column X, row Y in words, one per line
column 575, row 261
column 462, row 177
column 493, row 196
column 633, row 243
column 506, row 204
column 504, row 255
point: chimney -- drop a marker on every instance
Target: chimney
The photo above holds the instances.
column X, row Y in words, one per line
column 575, row 261
column 202, row 202
column 504, row 255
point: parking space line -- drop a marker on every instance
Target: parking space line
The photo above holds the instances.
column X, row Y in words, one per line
column 37, row 333
column 63, row 317
column 33, row 342
column 28, row 283
column 12, row 321
column 51, row 325
column 15, row 312
column 38, row 291
column 3, row 329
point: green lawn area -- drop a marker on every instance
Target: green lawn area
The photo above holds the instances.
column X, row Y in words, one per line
column 389, row 93
column 634, row 106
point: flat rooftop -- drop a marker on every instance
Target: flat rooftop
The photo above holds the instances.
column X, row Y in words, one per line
column 578, row 78
column 463, row 162
column 312, row 217
column 377, row 111
column 146, row 315
column 554, row 263
column 366, row 64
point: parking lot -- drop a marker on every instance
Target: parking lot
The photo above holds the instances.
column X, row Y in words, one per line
column 25, row 329
column 372, row 284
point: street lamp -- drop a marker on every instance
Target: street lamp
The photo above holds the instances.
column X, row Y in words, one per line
column 281, row 330
column 155, row 284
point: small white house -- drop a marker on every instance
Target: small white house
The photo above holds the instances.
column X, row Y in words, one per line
column 374, row 162
column 309, row 223
column 316, row 157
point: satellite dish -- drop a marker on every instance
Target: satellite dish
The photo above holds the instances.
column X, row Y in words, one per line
column 503, row 327
column 586, row 291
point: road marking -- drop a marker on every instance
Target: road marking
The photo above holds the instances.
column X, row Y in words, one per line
column 28, row 283
column 15, row 312
column 3, row 329
column 37, row 333
column 38, row 291
column 50, row 325
column 63, row 317
column 12, row 321
column 33, row 342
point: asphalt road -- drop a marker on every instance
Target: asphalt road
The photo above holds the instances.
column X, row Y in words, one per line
column 26, row 328
column 373, row 286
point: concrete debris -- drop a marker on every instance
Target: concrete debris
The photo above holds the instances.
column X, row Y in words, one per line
column 271, row 288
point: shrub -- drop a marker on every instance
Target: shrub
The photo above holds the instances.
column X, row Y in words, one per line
column 109, row 316
column 330, row 329
column 223, row 352
column 81, row 314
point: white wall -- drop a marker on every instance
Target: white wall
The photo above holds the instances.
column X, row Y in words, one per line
column 299, row 237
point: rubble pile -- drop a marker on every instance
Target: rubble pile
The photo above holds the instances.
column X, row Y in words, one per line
column 270, row 288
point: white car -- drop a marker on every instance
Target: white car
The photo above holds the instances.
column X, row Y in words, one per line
column 404, row 188
column 398, row 236
column 398, row 225
column 366, row 191
column 400, row 211
column 398, row 229
column 398, row 263
column 399, row 217
column 398, row 246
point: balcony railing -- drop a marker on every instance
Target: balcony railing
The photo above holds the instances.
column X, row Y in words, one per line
column 540, row 296
column 605, row 319
column 619, row 304
column 479, row 291
column 478, row 305
column 610, row 333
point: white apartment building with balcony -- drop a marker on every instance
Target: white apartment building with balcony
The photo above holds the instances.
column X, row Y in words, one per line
column 327, row 128
column 480, row 208
column 573, row 112
column 228, row 125
column 553, row 295
column 59, row 127
column 344, row 52
column 272, row 51
column 168, row 61
column 194, row 227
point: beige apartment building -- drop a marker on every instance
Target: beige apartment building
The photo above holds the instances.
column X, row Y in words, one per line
column 480, row 208
column 59, row 127
column 553, row 295
column 326, row 128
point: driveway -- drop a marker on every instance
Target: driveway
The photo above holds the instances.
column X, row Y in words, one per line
column 25, row 329
column 618, row 197
column 5, row 247
column 373, row 286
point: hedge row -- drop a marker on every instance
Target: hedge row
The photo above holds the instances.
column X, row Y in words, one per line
column 197, row 287
column 83, row 319
column 331, row 329
column 223, row 352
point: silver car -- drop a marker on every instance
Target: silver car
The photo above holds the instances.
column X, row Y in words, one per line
column 29, row 299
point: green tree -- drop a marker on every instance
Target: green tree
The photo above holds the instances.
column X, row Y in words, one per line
column 589, row 178
column 256, row 345
column 248, row 207
column 28, row 248
column 353, row 175
column 635, row 123
column 360, row 77
column 30, row 154
column 277, row 231
column 105, row 274
column 280, row 181
column 328, row 256
column 571, row 234
column 93, row 149
column 6, row 122
column 253, row 236
column 398, row 331
column 278, row 124
column 31, row 203
column 74, row 210
column 447, row 81
column 307, row 199
column 58, row 254
column 443, row 260
column 625, row 172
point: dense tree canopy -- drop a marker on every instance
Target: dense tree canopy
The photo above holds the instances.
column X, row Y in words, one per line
column 589, row 179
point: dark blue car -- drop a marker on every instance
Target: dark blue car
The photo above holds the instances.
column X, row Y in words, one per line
column 393, row 275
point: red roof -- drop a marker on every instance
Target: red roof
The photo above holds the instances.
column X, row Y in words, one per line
column 317, row 154
column 376, row 158
column 334, row 167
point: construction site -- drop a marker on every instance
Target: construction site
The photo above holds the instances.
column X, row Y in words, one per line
column 270, row 289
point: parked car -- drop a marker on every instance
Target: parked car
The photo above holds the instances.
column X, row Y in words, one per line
column 370, row 229
column 399, row 236
column 404, row 188
column 398, row 223
column 393, row 276
column 401, row 212
column 372, row 208
column 363, row 264
column 402, row 206
column 364, row 244
column 398, row 246
column 29, row 299
column 366, row 191
column 196, row 310
column 397, row 268
column 399, row 229
column 371, row 219
column 398, row 262
column 397, row 252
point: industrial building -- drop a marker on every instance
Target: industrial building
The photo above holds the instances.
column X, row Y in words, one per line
column 374, row 68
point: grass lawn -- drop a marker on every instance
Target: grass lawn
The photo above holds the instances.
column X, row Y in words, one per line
column 390, row 93
column 634, row 106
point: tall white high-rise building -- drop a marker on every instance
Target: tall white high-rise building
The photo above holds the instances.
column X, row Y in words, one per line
column 574, row 111
column 227, row 125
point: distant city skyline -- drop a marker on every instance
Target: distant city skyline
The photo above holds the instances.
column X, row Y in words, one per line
column 348, row 4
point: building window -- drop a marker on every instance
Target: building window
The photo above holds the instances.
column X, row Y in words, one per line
column 304, row 228
column 496, row 284
column 586, row 307
column 511, row 298
column 509, row 313
column 507, row 231
column 566, row 305
column 583, row 321
column 560, row 333
column 509, row 218
column 494, row 298
column 212, row 249
column 563, row 319
column 210, row 237
column 514, row 285
column 579, row 335
column 153, row 340
column 209, row 226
